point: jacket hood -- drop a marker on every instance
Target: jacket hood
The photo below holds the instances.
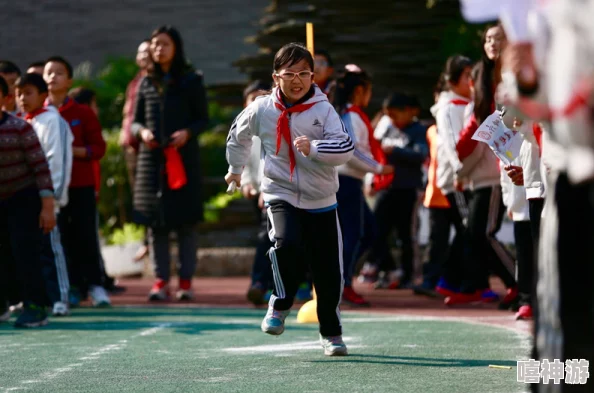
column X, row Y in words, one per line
column 444, row 99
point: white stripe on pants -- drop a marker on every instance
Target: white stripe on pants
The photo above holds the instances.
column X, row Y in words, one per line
column 60, row 261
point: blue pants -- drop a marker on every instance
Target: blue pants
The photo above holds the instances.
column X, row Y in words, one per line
column 357, row 223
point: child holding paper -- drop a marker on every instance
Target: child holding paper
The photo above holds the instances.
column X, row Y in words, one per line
column 481, row 168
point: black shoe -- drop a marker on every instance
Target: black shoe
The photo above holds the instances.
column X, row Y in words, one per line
column 32, row 316
column 425, row 291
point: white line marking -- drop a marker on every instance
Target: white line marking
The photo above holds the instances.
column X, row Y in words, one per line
column 102, row 351
column 296, row 346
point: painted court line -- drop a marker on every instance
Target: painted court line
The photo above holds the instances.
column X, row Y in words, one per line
column 85, row 360
column 290, row 347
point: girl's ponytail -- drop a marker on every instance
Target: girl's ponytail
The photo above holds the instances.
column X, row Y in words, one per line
column 344, row 87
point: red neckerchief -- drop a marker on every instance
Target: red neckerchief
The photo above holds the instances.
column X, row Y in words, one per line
column 537, row 130
column 379, row 181
column 459, row 102
column 282, row 127
column 31, row 115
column 67, row 104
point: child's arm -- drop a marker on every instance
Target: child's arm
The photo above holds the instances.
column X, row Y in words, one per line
column 466, row 144
column 239, row 141
column 337, row 147
column 448, row 128
column 362, row 158
column 36, row 160
column 415, row 155
column 55, row 154
column 94, row 142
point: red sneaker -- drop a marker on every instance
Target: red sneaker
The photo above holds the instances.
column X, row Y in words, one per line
column 525, row 312
column 159, row 291
column 185, row 290
column 349, row 296
column 463, row 298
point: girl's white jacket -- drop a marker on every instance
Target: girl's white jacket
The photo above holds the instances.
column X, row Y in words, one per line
column 315, row 179
column 450, row 118
column 55, row 138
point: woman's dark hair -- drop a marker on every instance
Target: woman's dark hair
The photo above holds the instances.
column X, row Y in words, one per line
column 34, row 80
column 82, row 95
column 345, row 85
column 291, row 54
column 484, row 90
column 440, row 85
column 454, row 68
column 257, row 85
column 179, row 65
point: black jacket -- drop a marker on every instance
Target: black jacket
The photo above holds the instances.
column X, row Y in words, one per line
column 165, row 108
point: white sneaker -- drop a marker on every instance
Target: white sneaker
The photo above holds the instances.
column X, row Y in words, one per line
column 99, row 296
column 60, row 309
column 184, row 295
column 274, row 321
column 17, row 308
column 333, row 346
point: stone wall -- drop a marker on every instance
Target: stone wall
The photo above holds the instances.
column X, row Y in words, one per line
column 90, row 30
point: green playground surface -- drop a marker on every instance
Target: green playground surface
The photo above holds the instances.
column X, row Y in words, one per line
column 165, row 349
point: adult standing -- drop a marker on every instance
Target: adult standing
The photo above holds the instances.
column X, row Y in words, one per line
column 127, row 140
column 171, row 110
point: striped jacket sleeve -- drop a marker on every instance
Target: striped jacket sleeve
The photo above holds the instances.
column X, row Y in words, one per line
column 337, row 147
column 36, row 160
column 362, row 158
column 239, row 140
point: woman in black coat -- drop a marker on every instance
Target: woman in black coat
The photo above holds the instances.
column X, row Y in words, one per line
column 171, row 110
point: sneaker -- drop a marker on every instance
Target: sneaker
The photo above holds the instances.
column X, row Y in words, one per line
column 445, row 289
column 350, row 297
column 489, row 296
column 255, row 294
column 99, row 296
column 184, row 293
column 303, row 293
column 16, row 309
column 60, row 309
column 391, row 280
column 333, row 346
column 74, row 297
column 32, row 316
column 425, row 289
column 274, row 321
column 112, row 287
column 368, row 273
column 525, row 312
column 463, row 298
column 509, row 299
column 159, row 291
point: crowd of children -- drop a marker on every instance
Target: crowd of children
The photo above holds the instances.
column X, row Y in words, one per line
column 309, row 165
column 56, row 260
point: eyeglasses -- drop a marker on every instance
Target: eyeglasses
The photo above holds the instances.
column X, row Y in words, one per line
column 289, row 76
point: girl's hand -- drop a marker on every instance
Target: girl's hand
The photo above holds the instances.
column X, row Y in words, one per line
column 148, row 138
column 516, row 174
column 303, row 145
column 179, row 138
column 388, row 169
column 232, row 177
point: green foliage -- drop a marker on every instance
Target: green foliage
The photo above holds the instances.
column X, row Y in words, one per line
column 110, row 86
column 213, row 207
column 115, row 197
column 129, row 233
column 462, row 38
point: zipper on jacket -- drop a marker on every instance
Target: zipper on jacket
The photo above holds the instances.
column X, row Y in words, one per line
column 296, row 168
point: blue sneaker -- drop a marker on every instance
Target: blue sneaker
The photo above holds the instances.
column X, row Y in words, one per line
column 488, row 296
column 274, row 321
column 303, row 293
column 333, row 346
column 446, row 289
column 32, row 316
column 74, row 297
